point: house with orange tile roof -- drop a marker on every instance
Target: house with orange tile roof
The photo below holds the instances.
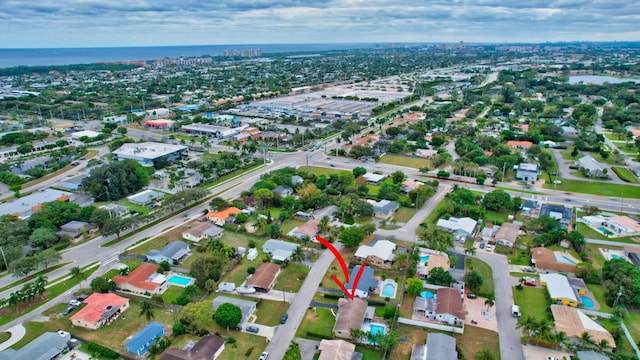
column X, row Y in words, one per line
column 143, row 280
column 308, row 229
column 519, row 144
column 220, row 217
column 100, row 309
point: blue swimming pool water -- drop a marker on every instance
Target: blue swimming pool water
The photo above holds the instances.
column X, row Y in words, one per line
column 568, row 260
column 587, row 302
column 614, row 256
column 426, row 294
column 602, row 230
column 180, row 280
column 377, row 329
column 389, row 290
column 424, row 259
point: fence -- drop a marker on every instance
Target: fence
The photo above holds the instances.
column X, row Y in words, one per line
column 423, row 324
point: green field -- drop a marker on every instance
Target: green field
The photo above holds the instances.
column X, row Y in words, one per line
column 407, row 161
column 532, row 302
column 316, row 170
column 595, row 188
column 625, row 174
column 404, row 214
column 484, row 270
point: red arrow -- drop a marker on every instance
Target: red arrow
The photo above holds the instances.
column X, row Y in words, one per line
column 345, row 271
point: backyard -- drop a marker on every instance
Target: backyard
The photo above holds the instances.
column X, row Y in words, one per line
column 291, row 277
column 269, row 312
column 475, row 339
column 317, row 322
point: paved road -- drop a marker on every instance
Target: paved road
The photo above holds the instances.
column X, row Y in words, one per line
column 565, row 172
column 285, row 333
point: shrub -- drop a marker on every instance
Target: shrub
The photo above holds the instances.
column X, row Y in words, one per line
column 102, row 351
column 178, row 329
column 251, row 270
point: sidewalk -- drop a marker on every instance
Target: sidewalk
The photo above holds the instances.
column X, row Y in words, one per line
column 17, row 332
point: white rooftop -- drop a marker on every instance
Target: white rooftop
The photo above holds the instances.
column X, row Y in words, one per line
column 373, row 177
column 24, row 205
column 558, row 286
column 382, row 249
column 87, row 133
column 466, row 223
column 148, row 150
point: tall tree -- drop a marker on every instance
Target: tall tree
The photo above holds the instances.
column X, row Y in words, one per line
column 146, row 309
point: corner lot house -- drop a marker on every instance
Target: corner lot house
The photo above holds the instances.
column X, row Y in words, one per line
column 220, row 217
column 173, row 253
column 590, row 166
column 527, row 172
column 117, row 210
column 350, row 315
column 438, row 347
column 207, row 348
column 463, row 227
column 247, row 307
column 140, row 343
column 101, row 309
column 75, row 230
column 384, row 209
column 507, row 234
column 148, row 153
column 559, row 289
column 201, row 230
column 145, row 197
column 47, row 346
column 264, row 278
column 144, row 279
column 380, row 254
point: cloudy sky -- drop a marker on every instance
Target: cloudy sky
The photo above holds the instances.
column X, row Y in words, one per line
column 89, row 23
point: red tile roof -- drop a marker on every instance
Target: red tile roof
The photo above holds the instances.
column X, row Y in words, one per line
column 138, row 277
column 97, row 305
column 224, row 214
column 521, row 144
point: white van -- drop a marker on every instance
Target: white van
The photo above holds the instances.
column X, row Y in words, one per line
column 515, row 310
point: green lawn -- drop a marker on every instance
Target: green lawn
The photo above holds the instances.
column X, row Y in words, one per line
column 625, row 174
column 408, row 161
column 435, row 214
column 588, row 232
column 594, row 188
column 270, row 311
column 622, row 346
column 632, row 321
column 319, row 321
column 475, row 339
column 484, row 270
column 135, row 207
column 316, row 170
column 404, row 214
column 290, row 225
column 4, row 336
column 597, row 157
column 292, row 277
column 153, row 244
column 532, row 302
column 171, row 294
column 370, row 353
column 516, row 256
column 497, row 217
column 598, row 293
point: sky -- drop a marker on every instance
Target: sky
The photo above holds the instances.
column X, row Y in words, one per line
column 107, row 23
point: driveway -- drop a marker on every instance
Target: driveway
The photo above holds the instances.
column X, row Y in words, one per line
column 539, row 353
column 307, row 348
column 478, row 312
column 17, row 332
column 565, row 173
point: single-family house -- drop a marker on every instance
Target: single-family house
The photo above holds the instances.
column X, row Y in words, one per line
column 140, row 343
column 488, row 233
column 409, row 185
column 438, row 347
column 283, row 191
column 524, row 145
column 144, row 279
column 75, row 230
column 569, row 131
column 622, row 226
column 563, row 214
column 116, row 210
column 463, row 227
column 384, row 209
column 72, row 183
column 373, row 179
column 573, row 322
column 527, row 172
column 559, row 289
column 530, row 207
column 48, row 346
column 425, row 306
column 633, row 253
column 350, row 315
column 308, row 230
column 220, row 217
column 209, row 347
column 296, row 180
column 200, row 230
column 546, row 259
column 279, row 250
column 507, row 234
column 449, row 308
column 247, row 307
column 173, row 253
column 145, row 197
column 264, row 278
column 367, row 284
column 336, row 350
column 380, row 254
column 100, row 309
column 590, row 167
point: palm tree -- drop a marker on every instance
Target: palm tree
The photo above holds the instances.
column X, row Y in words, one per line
column 561, row 338
column 485, row 354
column 586, row 340
column 146, row 309
column 471, row 251
column 14, row 300
column 39, row 284
column 227, row 251
column 489, row 302
column 298, row 255
column 603, row 345
column 527, row 324
column 77, row 274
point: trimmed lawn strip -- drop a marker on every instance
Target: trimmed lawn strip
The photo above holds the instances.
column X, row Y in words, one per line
column 632, row 321
column 269, row 312
column 497, row 217
column 370, row 353
column 4, row 336
column 590, row 233
column 319, row 321
column 622, row 346
column 484, row 270
column 172, row 293
column 290, row 225
column 33, row 276
column 598, row 293
column 594, row 188
column 317, row 170
column 475, row 339
column 407, row 161
column 404, row 214
column 625, row 174
column 292, row 277
column 532, row 302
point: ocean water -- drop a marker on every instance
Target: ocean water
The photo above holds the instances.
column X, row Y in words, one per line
column 66, row 56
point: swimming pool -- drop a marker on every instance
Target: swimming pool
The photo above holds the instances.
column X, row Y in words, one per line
column 388, row 289
column 568, row 260
column 587, row 302
column 563, row 258
column 178, row 280
column 424, row 259
column 375, row 329
column 426, row 294
column 614, row 256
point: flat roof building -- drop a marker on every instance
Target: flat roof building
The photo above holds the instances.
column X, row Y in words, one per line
column 25, row 206
column 148, row 152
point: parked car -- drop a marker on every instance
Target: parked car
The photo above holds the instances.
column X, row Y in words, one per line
column 529, row 270
column 482, row 245
column 488, row 247
column 471, row 295
column 74, row 302
column 68, row 310
column 263, row 356
column 529, row 281
column 253, row 329
column 283, row 318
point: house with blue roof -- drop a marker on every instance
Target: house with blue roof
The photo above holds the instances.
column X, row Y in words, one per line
column 173, row 253
column 367, row 283
column 148, row 336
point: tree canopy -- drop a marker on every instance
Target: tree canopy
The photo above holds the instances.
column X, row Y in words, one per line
column 204, row 269
column 228, row 315
column 351, row 236
column 116, row 180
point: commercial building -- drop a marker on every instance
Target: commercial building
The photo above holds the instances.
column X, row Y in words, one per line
column 148, row 153
column 27, row 205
